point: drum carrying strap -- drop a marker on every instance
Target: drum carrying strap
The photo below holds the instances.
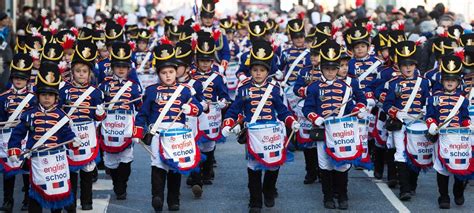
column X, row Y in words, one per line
column 166, row 108
column 20, row 107
column 262, row 102
column 80, row 100
column 191, row 82
column 453, row 111
column 208, row 81
column 471, row 94
column 119, row 93
column 344, row 100
column 370, row 70
column 294, row 64
column 412, row 95
column 51, row 132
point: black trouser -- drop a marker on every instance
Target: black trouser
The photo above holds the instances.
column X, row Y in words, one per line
column 158, row 181
column 207, row 166
column 8, row 188
column 334, row 182
column 327, row 185
column 86, row 186
column 256, row 187
column 443, row 185
column 26, row 188
column 311, row 160
column 35, row 207
column 407, row 178
column 385, row 156
column 120, row 177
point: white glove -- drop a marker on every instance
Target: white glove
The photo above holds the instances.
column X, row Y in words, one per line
column 295, row 126
column 370, row 104
column 279, row 75
column 283, row 85
column 100, row 110
column 242, row 77
column 222, row 104
column 401, row 115
column 186, row 109
column 433, row 130
column 135, row 140
column 226, row 131
column 13, row 159
column 362, row 113
column 77, row 142
column 471, row 127
column 319, row 121
column 236, row 130
column 205, row 105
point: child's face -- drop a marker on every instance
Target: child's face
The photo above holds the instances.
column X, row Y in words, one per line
column 80, row 73
column 36, row 63
column 343, row 68
column 330, row 72
column 180, row 71
column 19, row 83
column 384, row 53
column 259, row 73
column 47, row 100
column 67, row 57
column 206, row 22
column 361, row 50
column 450, row 85
column 298, row 42
column 230, row 36
column 121, row 71
column 168, row 75
column 204, row 65
column 142, row 45
column 104, row 53
column 314, row 60
column 408, row 70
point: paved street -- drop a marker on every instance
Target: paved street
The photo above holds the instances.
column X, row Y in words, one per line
column 229, row 192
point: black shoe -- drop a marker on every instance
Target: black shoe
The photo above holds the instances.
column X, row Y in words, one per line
column 444, row 203
column 335, row 195
column 275, row 193
column 378, row 175
column 7, row 206
column 269, row 201
column 95, row 175
column 121, row 196
column 157, row 204
column 255, row 210
column 459, row 200
column 329, row 204
column 413, row 193
column 309, row 179
column 207, row 181
column 343, row 204
column 24, row 207
column 189, row 181
column 173, row 207
column 197, row 191
column 392, row 183
column 86, row 207
column 405, row 196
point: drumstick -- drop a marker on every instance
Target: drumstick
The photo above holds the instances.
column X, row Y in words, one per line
column 9, row 122
column 49, row 148
column 444, row 123
column 239, row 120
column 123, row 101
column 289, row 138
column 337, row 108
column 147, row 149
column 179, row 115
column 217, row 102
column 80, row 107
column 351, row 114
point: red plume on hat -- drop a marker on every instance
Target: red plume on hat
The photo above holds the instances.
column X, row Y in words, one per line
column 301, row 15
column 369, row 26
column 121, row 20
column 62, row 66
column 69, row 42
column 132, row 45
column 181, row 21
column 194, row 41
column 420, row 41
column 216, row 1
column 164, row 40
column 459, row 52
column 442, row 32
column 196, row 27
column 398, row 25
column 216, row 34
column 75, row 31
column 382, row 27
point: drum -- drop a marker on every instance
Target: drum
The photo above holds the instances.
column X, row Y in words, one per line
column 380, row 133
column 230, row 74
column 210, row 123
column 455, row 151
column 418, row 148
column 117, row 130
column 50, row 183
column 8, row 167
column 266, row 143
column 291, row 98
column 192, row 123
column 147, row 80
column 471, row 115
column 364, row 161
column 179, row 150
column 342, row 139
column 303, row 136
column 88, row 151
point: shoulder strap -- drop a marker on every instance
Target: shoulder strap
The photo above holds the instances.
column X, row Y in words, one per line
column 347, row 93
column 20, row 107
column 119, row 93
column 51, row 132
column 413, row 94
column 191, row 82
column 293, row 65
column 453, row 111
column 260, row 105
column 80, row 100
column 370, row 70
column 166, row 108
column 208, row 81
column 471, row 94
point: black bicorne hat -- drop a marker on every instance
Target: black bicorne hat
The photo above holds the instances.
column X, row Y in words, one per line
column 85, row 53
column 21, row 66
column 48, row 78
column 164, row 56
column 261, row 54
column 295, row 28
column 451, row 67
column 184, row 53
column 121, row 54
column 330, row 54
column 52, row 52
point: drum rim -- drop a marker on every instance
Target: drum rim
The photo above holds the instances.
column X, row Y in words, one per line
column 182, row 130
column 332, row 119
column 252, row 125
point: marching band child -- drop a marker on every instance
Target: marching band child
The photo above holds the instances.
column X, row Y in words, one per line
column 124, row 98
column 250, row 96
column 162, row 106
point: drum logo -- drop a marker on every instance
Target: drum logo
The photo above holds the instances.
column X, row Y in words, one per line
column 45, row 161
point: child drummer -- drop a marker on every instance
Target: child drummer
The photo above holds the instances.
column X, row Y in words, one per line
column 165, row 107
column 249, row 97
column 442, row 110
column 124, row 97
column 12, row 103
column 81, row 94
column 47, row 126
